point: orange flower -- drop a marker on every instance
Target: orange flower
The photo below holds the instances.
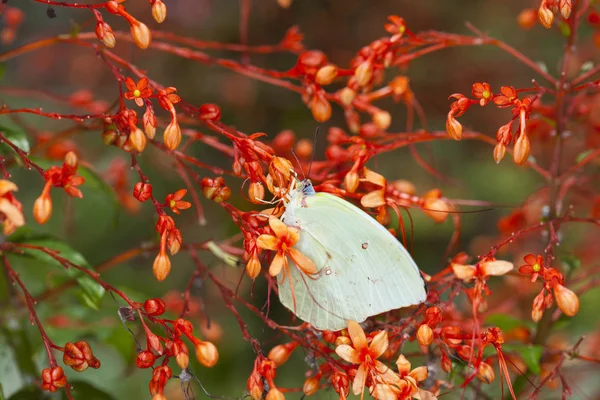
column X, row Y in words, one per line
column 167, row 97
column 509, row 95
column 138, row 91
column 405, row 384
column 365, row 355
column 283, row 241
column 10, row 208
column 175, row 203
column 483, row 92
column 534, row 266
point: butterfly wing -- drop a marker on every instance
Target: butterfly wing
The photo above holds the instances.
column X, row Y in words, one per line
column 363, row 269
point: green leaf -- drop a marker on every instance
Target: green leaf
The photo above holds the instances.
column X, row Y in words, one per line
column 83, row 390
column 29, row 393
column 92, row 291
column 531, row 354
column 22, row 351
column 17, row 136
column 583, row 155
column 505, row 322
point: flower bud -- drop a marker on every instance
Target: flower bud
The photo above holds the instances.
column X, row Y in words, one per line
column 347, row 96
column 154, row 307
column 42, row 208
column 105, row 34
column 453, row 127
column 311, row 385
column 521, row 150
column 161, row 266
column 566, row 300
column 436, row 209
column 109, row 137
column 207, row 353
column 149, row 122
column 53, row 379
column 172, row 135
column 145, row 359
column 210, row 112
column 281, row 353
column 284, row 141
column 351, row 181
column 304, row 149
column 340, row 340
column 545, row 15
column 275, row 394
column 499, row 152
column 140, row 34
column 446, row 363
column 253, row 267
column 527, row 18
column 320, row 108
column 399, row 85
column 565, row 7
column 404, row 186
column 159, row 11
column 382, row 119
column 425, row 335
column 138, row 140
column 284, row 4
column 142, row 191
column 485, row 373
column 363, row 73
column 326, row 75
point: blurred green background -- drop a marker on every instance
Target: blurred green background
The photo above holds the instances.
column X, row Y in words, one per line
column 99, row 228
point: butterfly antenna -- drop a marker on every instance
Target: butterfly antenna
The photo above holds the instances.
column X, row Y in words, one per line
column 312, row 156
column 299, row 165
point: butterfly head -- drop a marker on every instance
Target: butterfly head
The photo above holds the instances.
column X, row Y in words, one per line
column 305, row 186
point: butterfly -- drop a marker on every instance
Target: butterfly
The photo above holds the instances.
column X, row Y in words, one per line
column 362, row 269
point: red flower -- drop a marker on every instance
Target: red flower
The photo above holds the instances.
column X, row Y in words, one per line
column 483, row 92
column 508, row 96
column 138, row 91
column 175, row 203
column 534, row 266
column 167, row 97
column 53, row 379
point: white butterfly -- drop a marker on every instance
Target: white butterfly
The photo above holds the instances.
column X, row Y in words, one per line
column 362, row 269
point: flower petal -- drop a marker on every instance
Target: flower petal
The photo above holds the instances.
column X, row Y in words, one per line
column 526, row 269
column 267, row 242
column 278, row 227
column 293, row 235
column 530, row 259
column 348, row 353
column 302, row 262
column 277, row 264
column 142, row 84
column 379, row 344
column 464, row 272
column 496, row 267
column 357, row 335
column 419, row 374
column 387, row 375
column 13, row 214
column 358, row 386
column 130, row 84
column 7, row 186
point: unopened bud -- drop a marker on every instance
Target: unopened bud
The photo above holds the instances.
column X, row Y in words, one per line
column 499, row 152
column 311, row 385
column 320, row 108
column 486, row 373
column 154, row 307
column 566, row 300
column 382, row 119
column 425, row 335
column 326, row 75
column 545, row 15
column 521, row 150
column 145, row 359
column 364, row 73
column 138, row 140
column 140, row 34
column 351, row 181
column 159, row 11
column 347, row 95
column 275, row 394
column 253, row 267
column 172, row 135
column 207, row 354
column 281, row 353
column 453, row 127
column 42, row 209
column 161, row 266
column 71, row 159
